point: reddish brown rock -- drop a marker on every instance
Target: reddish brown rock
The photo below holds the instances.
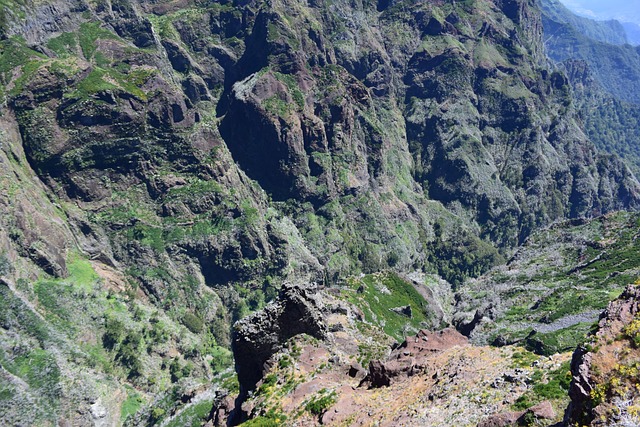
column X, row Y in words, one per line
column 220, row 413
column 357, row 371
column 409, row 358
column 501, row 420
column 542, row 410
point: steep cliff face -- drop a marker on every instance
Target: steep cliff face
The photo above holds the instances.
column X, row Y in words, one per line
column 202, row 153
column 351, row 118
column 612, row 124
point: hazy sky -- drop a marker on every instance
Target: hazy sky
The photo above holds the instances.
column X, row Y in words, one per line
column 622, row 10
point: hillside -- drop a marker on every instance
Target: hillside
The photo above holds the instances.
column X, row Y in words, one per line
column 170, row 167
column 603, row 78
column 610, row 32
column 614, row 66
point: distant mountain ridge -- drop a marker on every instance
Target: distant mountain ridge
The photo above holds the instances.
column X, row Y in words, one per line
column 633, row 32
column 604, row 74
column 611, row 31
column 615, row 66
column 621, row 10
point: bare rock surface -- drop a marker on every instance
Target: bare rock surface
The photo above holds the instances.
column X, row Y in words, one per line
column 411, row 357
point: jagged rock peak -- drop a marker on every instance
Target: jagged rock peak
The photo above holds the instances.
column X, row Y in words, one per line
column 259, row 336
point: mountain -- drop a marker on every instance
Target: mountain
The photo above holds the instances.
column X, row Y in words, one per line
column 623, row 11
column 610, row 123
column 603, row 76
column 633, row 32
column 170, row 167
column 612, row 31
column 615, row 68
column 606, row 15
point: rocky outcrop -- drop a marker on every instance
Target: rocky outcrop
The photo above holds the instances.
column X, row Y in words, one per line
column 411, row 357
column 596, row 368
column 540, row 412
column 259, row 336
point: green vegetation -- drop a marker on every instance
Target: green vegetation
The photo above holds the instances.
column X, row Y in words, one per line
column 101, row 80
column 23, row 355
column 371, row 349
column 63, row 45
column 193, row 323
column 321, row 402
column 38, row 368
column 562, row 340
column 221, row 359
column 524, row 358
column 611, row 32
column 195, row 188
column 461, row 256
column 565, row 276
column 615, row 67
column 14, row 54
column 81, row 273
column 5, row 265
column 277, row 106
column 196, row 237
column 89, row 33
column 553, row 385
column 131, row 405
column 378, row 294
column 293, row 87
column 192, row 416
column 271, row 419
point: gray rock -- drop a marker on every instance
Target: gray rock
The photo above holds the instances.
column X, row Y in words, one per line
column 258, row 337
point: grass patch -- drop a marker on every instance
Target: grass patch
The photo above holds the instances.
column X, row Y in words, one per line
column 131, row 405
column 523, row 359
column 64, row 45
column 81, row 273
column 15, row 53
column 320, row 403
column 293, row 87
column 553, row 386
column 192, row 416
column 102, row 80
column 277, row 106
column 272, row 418
column 39, row 370
column 194, row 189
column 378, row 294
column 89, row 33
column 559, row 341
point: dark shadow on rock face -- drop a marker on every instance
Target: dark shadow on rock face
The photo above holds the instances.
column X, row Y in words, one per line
column 258, row 337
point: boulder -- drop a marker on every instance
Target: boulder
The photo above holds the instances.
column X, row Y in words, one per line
column 410, row 357
column 501, row 420
column 541, row 411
